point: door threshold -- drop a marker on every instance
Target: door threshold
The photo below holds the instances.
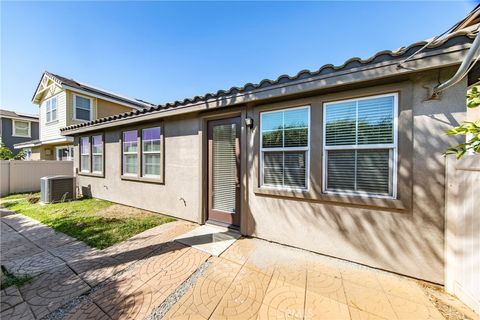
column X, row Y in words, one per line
column 223, row 224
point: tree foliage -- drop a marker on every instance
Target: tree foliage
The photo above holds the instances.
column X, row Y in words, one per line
column 470, row 129
column 7, row 154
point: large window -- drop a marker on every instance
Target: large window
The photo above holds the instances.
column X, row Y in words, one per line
column 51, row 109
column 284, row 148
column 151, row 152
column 130, row 153
column 360, row 146
column 97, row 154
column 82, row 108
column 85, row 154
column 21, row 128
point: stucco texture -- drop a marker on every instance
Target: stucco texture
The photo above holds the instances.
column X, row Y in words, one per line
column 404, row 235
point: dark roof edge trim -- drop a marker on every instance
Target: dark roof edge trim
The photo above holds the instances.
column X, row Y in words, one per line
column 302, row 77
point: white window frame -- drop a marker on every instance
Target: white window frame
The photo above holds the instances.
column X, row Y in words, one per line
column 47, row 102
column 84, row 154
column 151, row 152
column 70, row 151
column 14, row 127
column 75, row 107
column 286, row 149
column 97, row 154
column 130, row 152
column 392, row 146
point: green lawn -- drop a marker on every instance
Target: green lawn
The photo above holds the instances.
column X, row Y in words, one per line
column 98, row 223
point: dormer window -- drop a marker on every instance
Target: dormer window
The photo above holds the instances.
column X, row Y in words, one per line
column 51, row 109
column 82, row 108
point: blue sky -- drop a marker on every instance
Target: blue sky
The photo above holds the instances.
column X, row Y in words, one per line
column 164, row 51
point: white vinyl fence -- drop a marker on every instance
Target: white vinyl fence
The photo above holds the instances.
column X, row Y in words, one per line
column 24, row 176
column 462, row 230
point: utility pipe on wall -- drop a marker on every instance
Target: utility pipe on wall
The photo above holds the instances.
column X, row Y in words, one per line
column 463, row 69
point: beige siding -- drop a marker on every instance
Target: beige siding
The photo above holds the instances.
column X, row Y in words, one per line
column 52, row 130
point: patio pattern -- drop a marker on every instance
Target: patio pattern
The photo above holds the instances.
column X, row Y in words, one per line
column 252, row 279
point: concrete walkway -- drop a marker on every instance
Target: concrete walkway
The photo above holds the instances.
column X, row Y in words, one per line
column 65, row 269
column 152, row 277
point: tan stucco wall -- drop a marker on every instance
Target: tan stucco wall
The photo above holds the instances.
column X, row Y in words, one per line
column 40, row 153
column 404, row 236
column 107, row 108
column 179, row 196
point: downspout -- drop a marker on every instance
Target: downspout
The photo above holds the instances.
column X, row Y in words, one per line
column 462, row 70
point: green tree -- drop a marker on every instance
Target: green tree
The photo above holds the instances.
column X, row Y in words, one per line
column 470, row 128
column 7, row 154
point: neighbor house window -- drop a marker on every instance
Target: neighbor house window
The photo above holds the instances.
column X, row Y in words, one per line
column 82, row 108
column 97, row 154
column 360, row 146
column 64, row 153
column 21, row 128
column 130, row 153
column 85, row 154
column 151, row 152
column 284, row 148
column 51, row 109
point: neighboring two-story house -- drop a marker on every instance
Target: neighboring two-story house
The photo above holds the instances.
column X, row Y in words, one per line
column 17, row 127
column 64, row 102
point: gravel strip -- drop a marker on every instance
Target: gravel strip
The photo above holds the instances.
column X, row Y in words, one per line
column 160, row 311
column 61, row 312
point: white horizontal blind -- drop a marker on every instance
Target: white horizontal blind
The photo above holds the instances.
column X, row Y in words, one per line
column 97, row 154
column 151, row 152
column 360, row 145
column 85, row 154
column 224, row 167
column 284, row 148
column 82, row 108
column 130, row 153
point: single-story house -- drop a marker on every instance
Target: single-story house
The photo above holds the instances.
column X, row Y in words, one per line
column 346, row 160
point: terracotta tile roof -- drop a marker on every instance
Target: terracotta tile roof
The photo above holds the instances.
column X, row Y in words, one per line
column 455, row 38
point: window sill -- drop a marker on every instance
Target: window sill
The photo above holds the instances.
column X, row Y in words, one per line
column 91, row 174
column 20, row 136
column 51, row 122
column 347, row 200
column 81, row 120
column 142, row 179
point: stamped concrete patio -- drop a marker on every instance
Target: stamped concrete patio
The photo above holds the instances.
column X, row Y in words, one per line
column 150, row 276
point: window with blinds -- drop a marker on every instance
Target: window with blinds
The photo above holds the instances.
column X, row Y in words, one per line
column 82, row 108
column 224, row 167
column 130, row 153
column 285, row 147
column 97, row 154
column 360, row 146
column 85, row 154
column 151, row 152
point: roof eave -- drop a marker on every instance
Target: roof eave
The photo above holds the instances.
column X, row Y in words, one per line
column 424, row 61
